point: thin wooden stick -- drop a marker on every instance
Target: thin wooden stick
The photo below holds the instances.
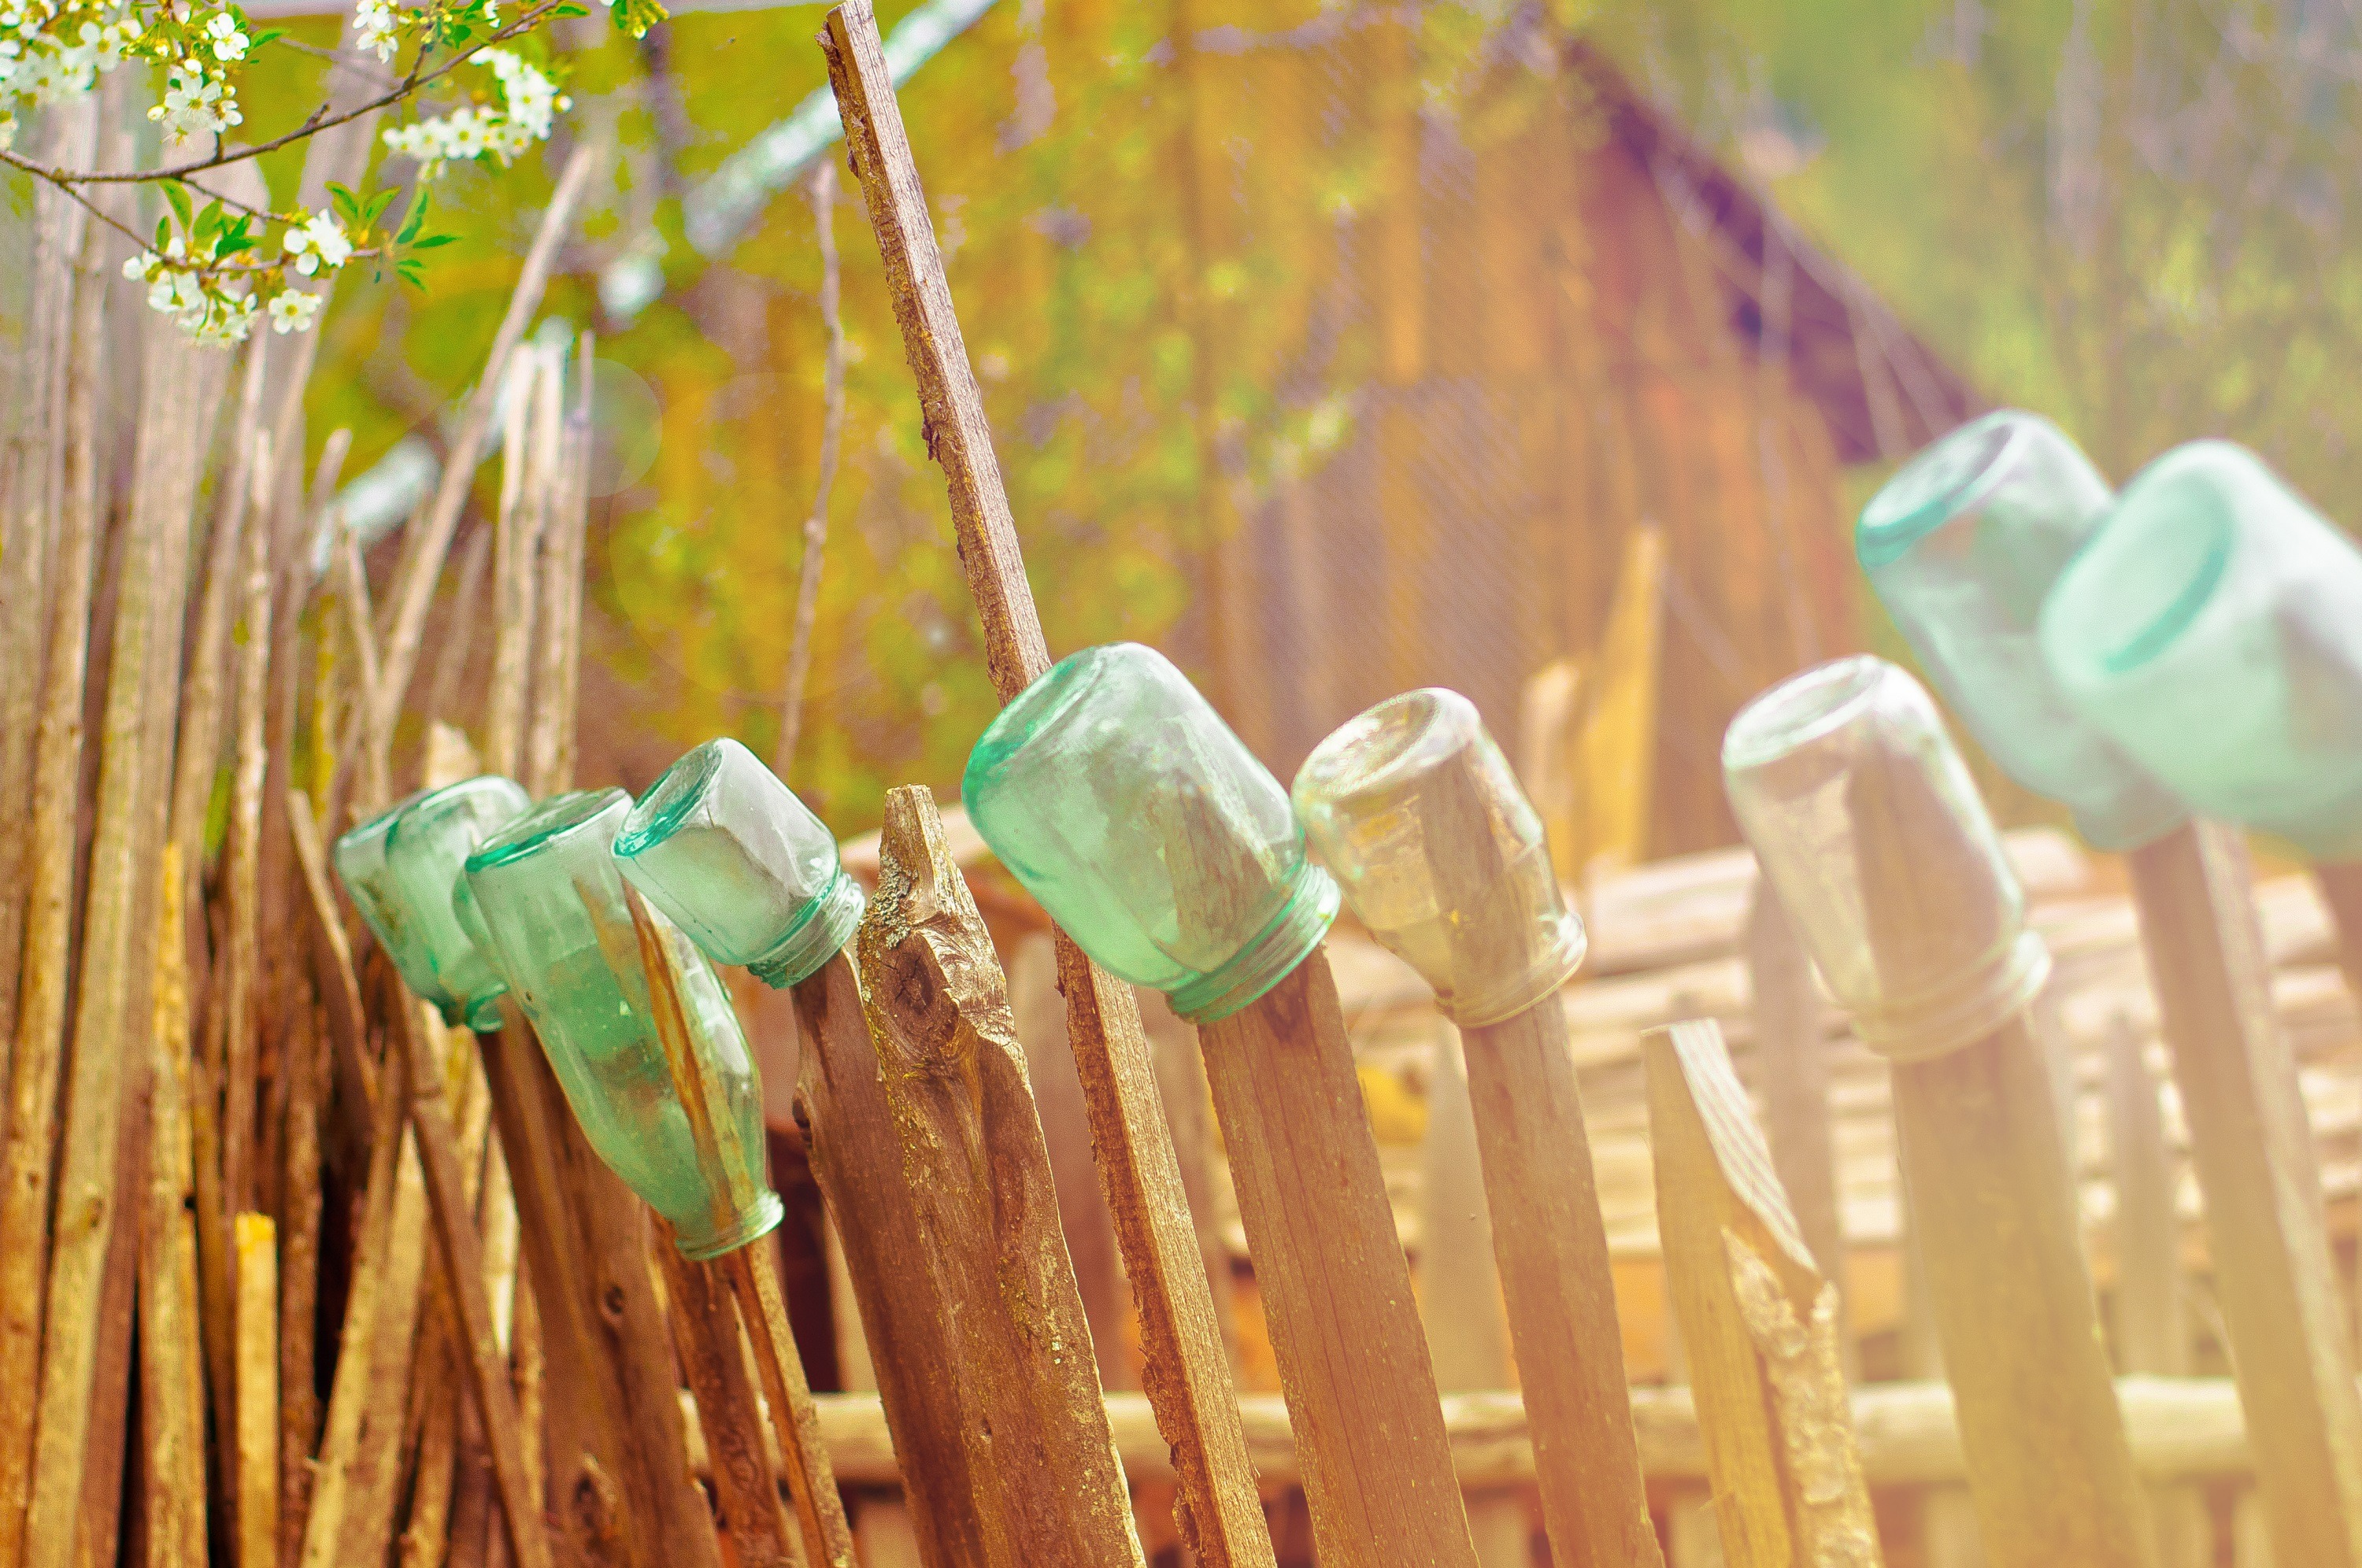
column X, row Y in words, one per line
column 171, row 1368
column 125, row 847
column 2341, row 888
column 1188, row 1376
column 358, row 1074
column 299, row 1268
column 549, row 751
column 2253, row 1149
column 705, row 1329
column 243, row 874
column 832, row 438
column 463, row 1272
column 828, row 1537
column 856, row 1155
column 1026, row 1381
column 49, row 893
column 1757, row 1320
column 257, row 1392
column 413, row 592
column 714, row 1133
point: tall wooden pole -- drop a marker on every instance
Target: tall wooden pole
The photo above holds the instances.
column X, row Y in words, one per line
column 1188, row 1377
column 2253, row 1149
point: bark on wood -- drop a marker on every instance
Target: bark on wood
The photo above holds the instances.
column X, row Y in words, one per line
column 2256, row 1162
column 1187, row 1376
column 257, row 1392
column 973, row 1153
column 827, row 1537
column 299, row 1272
column 850, row 1136
column 1336, row 1289
column 2341, row 888
column 1758, row 1321
column 243, row 873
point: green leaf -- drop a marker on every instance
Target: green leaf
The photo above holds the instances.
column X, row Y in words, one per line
column 375, row 205
column 269, row 35
column 415, row 220
column 408, row 272
column 431, row 241
column 163, row 235
column 570, row 10
column 177, row 196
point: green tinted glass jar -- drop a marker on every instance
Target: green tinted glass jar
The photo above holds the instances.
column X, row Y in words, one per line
column 2213, row 627
column 1116, row 794
column 360, row 859
column 727, row 850
column 443, row 959
column 553, row 901
column 1962, row 546
column 1414, row 810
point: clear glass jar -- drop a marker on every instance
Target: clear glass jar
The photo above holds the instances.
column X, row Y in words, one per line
column 553, row 901
column 1865, row 819
column 1116, row 794
column 2213, row 627
column 1962, row 547
column 727, row 850
column 403, row 870
column 1412, row 808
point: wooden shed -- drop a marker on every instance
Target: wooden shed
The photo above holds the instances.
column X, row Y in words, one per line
column 1583, row 325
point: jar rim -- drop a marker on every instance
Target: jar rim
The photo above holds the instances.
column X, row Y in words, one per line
column 420, row 806
column 1941, row 481
column 666, row 804
column 556, row 819
column 2192, row 532
column 1802, row 709
column 1382, row 746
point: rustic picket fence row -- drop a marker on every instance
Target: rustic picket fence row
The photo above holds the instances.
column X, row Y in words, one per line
column 525, row 1369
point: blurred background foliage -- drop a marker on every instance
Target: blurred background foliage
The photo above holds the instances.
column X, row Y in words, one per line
column 2136, row 216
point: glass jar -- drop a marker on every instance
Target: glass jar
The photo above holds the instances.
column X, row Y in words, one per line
column 1116, row 794
column 2213, row 627
column 553, row 901
column 401, row 868
column 1962, row 546
column 1414, row 810
column 727, row 850
column 429, row 844
column 1866, row 820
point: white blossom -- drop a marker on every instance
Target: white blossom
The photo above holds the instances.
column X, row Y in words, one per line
column 375, row 25
column 319, row 242
column 292, row 310
column 228, row 41
column 530, row 102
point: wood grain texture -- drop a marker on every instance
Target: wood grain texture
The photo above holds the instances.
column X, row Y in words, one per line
column 257, row 1392
column 2011, row 1299
column 1549, row 1234
column 172, row 1359
column 1758, row 1321
column 1336, row 1288
column 2256, row 1163
column 1186, row 1375
column 1025, row 1376
column 856, row 1158
column 739, row 1457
